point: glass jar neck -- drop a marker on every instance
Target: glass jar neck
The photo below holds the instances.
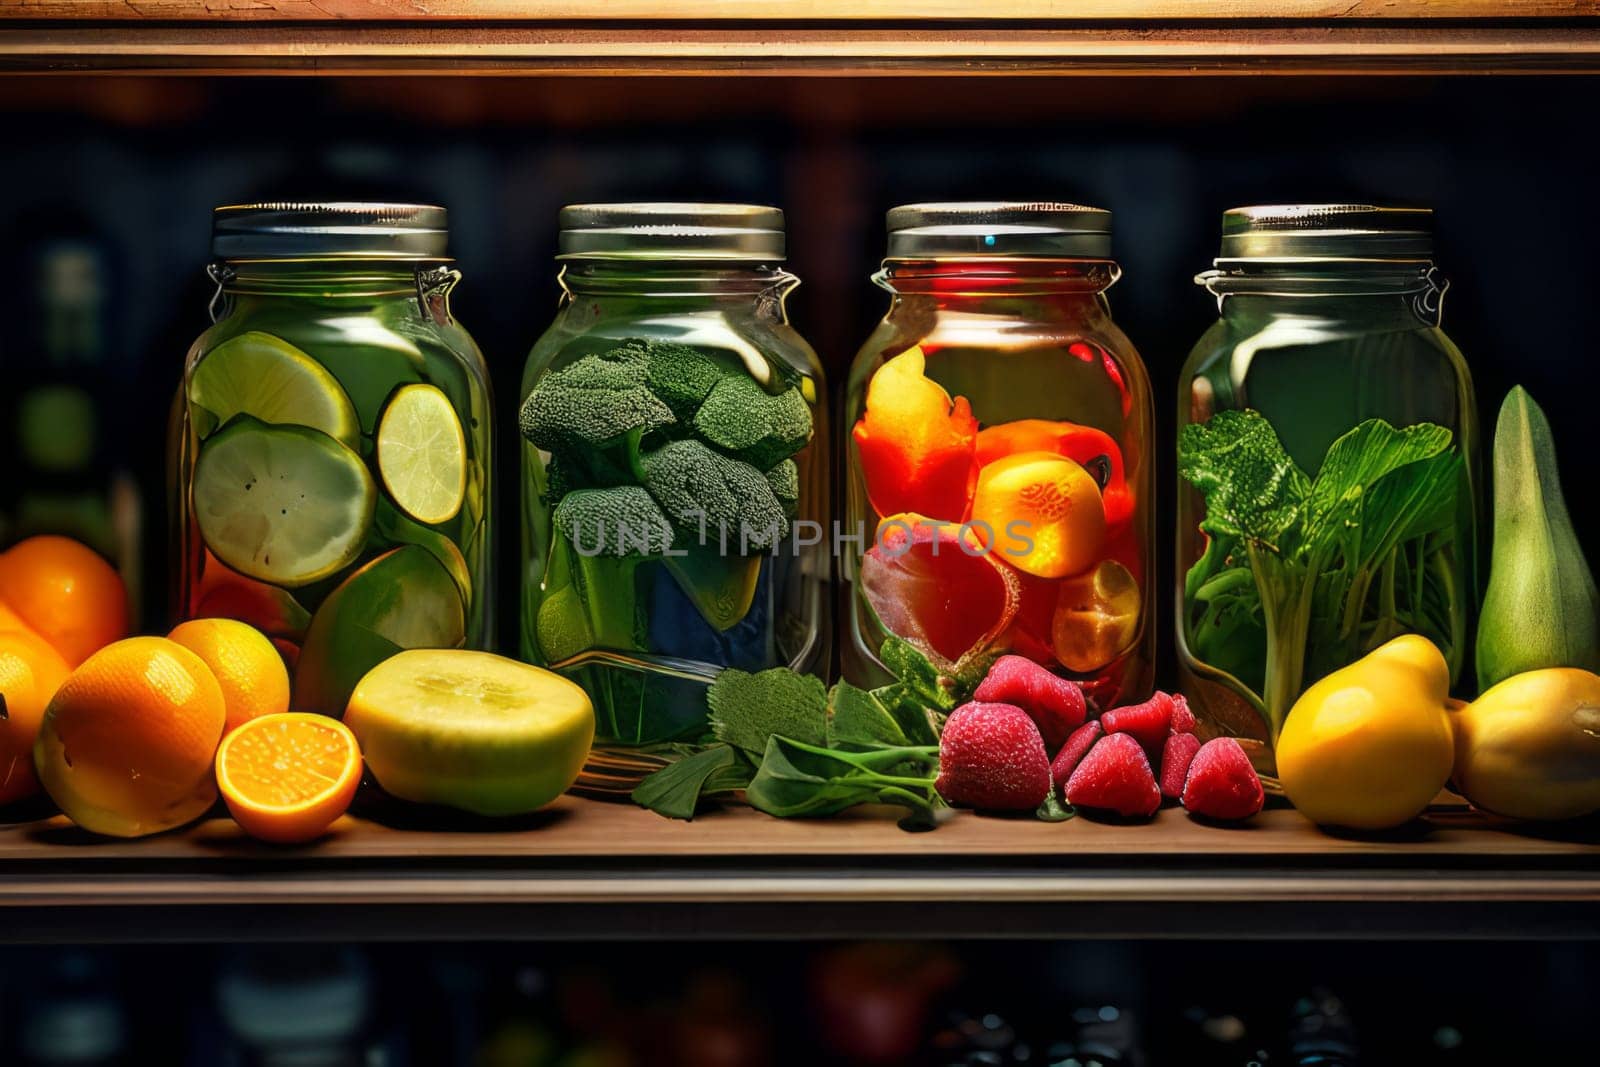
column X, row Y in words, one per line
column 979, row 277
column 674, row 279
column 320, row 278
column 1394, row 295
column 366, row 282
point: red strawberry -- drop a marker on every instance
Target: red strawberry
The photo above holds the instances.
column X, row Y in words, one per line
column 1175, row 756
column 1221, row 782
column 1147, row 723
column 1056, row 704
column 1182, row 715
column 1115, row 775
column 1072, row 753
column 992, row 757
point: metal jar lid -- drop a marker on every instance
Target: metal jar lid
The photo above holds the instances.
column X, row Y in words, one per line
column 340, row 230
column 1287, row 232
column 999, row 228
column 739, row 232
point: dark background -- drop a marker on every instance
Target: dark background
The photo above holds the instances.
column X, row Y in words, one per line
column 710, row 1004
column 1505, row 162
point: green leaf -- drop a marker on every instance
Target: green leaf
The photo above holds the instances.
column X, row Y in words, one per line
column 919, row 723
column 1252, row 488
column 676, row 789
column 1054, row 809
column 1356, row 461
column 920, row 677
column 797, row 779
column 747, row 709
column 856, row 718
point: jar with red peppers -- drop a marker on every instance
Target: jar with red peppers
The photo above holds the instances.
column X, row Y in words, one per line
column 999, row 460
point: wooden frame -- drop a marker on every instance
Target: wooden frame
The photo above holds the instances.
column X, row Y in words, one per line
column 793, row 10
column 363, row 49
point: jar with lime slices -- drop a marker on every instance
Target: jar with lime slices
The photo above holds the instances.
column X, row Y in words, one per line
column 674, row 473
column 331, row 443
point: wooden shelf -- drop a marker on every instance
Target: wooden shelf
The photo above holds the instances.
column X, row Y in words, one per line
column 822, row 38
column 793, row 10
column 585, row 869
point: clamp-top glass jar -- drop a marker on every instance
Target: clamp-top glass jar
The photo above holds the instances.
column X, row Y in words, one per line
column 1327, row 460
column 674, row 427
column 330, row 449
column 1000, row 453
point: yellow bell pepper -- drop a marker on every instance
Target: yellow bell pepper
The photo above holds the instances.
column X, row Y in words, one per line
column 1370, row 745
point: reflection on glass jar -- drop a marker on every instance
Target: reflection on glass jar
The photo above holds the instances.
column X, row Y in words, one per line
column 1327, row 461
column 999, row 466
column 331, row 443
column 674, row 430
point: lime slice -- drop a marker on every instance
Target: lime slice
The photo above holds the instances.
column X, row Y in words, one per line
column 267, row 377
column 422, row 454
column 282, row 504
column 403, row 599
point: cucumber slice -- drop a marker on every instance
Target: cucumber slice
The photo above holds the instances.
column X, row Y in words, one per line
column 422, row 454
column 282, row 504
column 270, row 379
column 403, row 599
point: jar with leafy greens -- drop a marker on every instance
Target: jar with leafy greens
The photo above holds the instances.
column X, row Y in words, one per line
column 1327, row 462
column 330, row 445
column 674, row 473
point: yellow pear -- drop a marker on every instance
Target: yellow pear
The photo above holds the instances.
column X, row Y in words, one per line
column 1369, row 746
column 1530, row 746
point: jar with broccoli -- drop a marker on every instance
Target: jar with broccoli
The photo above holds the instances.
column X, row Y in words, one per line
column 673, row 445
column 1327, row 461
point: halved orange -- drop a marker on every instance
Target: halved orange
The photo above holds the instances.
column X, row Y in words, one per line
column 287, row 776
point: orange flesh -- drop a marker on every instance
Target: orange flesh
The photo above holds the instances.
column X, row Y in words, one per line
column 286, row 764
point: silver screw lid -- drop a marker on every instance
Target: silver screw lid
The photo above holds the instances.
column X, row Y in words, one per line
column 1326, row 231
column 335, row 230
column 999, row 228
column 747, row 233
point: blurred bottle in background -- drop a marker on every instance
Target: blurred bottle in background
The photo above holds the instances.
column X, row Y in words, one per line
column 65, row 409
column 303, row 1006
column 1321, row 1032
column 69, row 1014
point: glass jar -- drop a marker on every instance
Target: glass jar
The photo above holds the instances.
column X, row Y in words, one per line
column 673, row 452
column 1327, row 460
column 999, row 470
column 331, row 443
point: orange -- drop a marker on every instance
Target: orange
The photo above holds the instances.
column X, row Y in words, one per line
column 127, row 742
column 1043, row 511
column 252, row 675
column 10, row 620
column 66, row 594
column 30, row 673
column 287, row 777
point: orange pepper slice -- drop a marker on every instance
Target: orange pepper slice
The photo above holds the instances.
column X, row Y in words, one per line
column 915, row 443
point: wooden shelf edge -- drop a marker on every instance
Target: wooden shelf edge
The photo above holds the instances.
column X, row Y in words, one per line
column 135, row 11
column 361, row 49
column 585, row 870
column 474, row 888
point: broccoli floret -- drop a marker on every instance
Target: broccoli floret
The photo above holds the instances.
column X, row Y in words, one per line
column 623, row 521
column 785, row 482
column 709, row 493
column 591, row 599
column 598, row 401
column 746, row 709
column 680, row 376
column 750, row 424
